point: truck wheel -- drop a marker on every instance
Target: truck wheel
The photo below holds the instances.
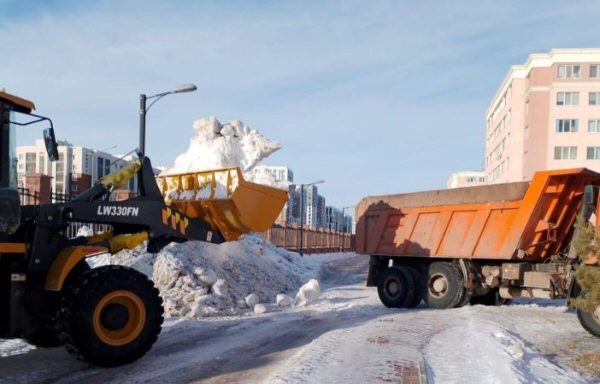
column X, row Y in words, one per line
column 396, row 287
column 443, row 287
column 110, row 316
column 416, row 277
column 590, row 321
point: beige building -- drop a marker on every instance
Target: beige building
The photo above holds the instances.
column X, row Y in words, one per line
column 466, row 179
column 545, row 115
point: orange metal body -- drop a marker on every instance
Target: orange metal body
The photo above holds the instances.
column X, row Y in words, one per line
column 527, row 221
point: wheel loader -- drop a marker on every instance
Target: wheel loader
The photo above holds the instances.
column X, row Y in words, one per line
column 110, row 315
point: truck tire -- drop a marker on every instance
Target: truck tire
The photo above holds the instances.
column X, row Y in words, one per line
column 396, row 287
column 442, row 286
column 110, row 316
column 416, row 277
column 589, row 322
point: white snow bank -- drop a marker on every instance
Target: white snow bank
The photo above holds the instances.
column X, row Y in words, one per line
column 217, row 145
column 202, row 279
column 308, row 293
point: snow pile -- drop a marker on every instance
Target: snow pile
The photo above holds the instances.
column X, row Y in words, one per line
column 200, row 279
column 217, row 145
column 308, row 293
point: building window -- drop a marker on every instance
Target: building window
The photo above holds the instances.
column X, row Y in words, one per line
column 74, row 188
column 594, row 125
column 567, row 98
column 471, row 179
column 74, row 177
column 569, row 71
column 594, row 98
column 565, row 153
column 567, row 125
column 595, row 71
column 30, row 160
column 482, row 179
column 593, row 153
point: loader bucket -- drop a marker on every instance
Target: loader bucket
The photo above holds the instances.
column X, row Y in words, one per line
column 224, row 199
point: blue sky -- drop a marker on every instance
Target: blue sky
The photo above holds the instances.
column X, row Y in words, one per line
column 375, row 97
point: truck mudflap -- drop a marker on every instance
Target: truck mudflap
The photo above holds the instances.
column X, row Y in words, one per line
column 377, row 264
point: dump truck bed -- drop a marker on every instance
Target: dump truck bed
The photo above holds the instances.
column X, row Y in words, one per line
column 527, row 220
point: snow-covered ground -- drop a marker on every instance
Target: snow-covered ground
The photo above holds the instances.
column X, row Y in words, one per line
column 347, row 336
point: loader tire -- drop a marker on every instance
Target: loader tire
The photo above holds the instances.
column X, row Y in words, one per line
column 396, row 287
column 110, row 316
column 443, row 286
column 416, row 277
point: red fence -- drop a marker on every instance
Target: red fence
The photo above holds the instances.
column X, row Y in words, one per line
column 316, row 240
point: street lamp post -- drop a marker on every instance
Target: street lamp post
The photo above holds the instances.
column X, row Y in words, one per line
column 302, row 210
column 344, row 227
column 144, row 110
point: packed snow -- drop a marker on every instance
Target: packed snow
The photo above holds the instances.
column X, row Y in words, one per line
column 198, row 279
column 217, row 145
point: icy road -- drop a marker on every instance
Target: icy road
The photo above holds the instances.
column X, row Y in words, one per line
column 347, row 337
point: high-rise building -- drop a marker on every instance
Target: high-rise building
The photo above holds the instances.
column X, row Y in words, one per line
column 545, row 115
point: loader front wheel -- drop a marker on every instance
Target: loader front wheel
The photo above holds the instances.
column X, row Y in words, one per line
column 442, row 286
column 110, row 316
column 396, row 287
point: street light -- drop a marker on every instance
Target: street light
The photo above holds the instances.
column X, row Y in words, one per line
column 143, row 110
column 302, row 209
column 344, row 226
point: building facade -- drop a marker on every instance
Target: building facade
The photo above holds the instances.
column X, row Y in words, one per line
column 466, row 179
column 77, row 168
column 545, row 115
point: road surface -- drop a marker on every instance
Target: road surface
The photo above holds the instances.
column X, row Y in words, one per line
column 346, row 337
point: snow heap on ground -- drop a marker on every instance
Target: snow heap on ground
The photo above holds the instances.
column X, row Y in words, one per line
column 199, row 279
column 217, row 145
column 308, row 293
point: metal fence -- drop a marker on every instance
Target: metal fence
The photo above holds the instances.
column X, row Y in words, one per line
column 28, row 197
column 316, row 240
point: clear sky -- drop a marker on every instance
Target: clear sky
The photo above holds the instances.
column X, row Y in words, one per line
column 374, row 97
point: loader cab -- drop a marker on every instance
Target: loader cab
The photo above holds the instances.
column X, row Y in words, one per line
column 10, row 107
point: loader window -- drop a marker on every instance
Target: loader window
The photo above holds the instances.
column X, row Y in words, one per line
column 12, row 154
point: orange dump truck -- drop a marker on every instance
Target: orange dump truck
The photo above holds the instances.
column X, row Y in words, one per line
column 482, row 245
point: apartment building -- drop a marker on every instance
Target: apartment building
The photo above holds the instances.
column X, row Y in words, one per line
column 75, row 171
column 466, row 179
column 545, row 115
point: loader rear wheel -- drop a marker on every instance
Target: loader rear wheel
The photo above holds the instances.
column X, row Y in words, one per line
column 442, row 286
column 396, row 287
column 110, row 316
